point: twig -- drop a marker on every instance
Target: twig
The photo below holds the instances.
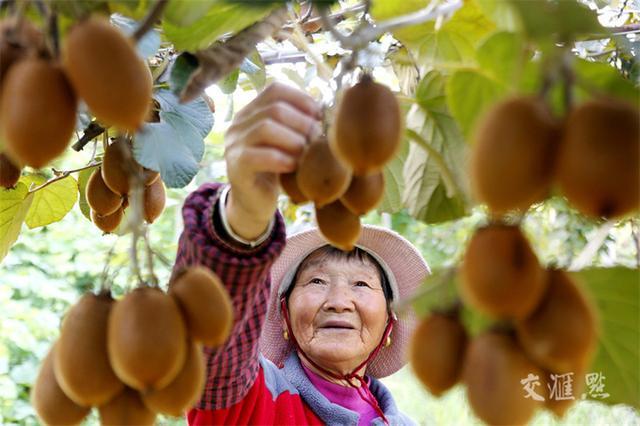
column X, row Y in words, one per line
column 635, row 233
column 447, row 176
column 338, row 16
column 162, row 258
column 592, row 247
column 93, row 130
column 154, row 15
column 105, row 284
column 220, row 59
column 61, row 175
column 300, row 41
column 614, row 31
column 149, row 252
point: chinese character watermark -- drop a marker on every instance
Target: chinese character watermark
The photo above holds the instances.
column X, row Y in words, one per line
column 595, row 385
column 560, row 386
column 529, row 384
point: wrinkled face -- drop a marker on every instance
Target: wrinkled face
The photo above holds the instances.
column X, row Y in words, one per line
column 338, row 312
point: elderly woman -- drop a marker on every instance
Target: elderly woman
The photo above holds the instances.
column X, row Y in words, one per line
column 314, row 326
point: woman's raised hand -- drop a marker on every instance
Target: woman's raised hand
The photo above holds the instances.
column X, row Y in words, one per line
column 265, row 138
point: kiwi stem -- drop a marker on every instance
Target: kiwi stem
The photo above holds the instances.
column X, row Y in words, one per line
column 152, row 17
column 61, row 175
column 568, row 79
column 589, row 251
column 300, row 41
column 93, row 130
column 149, row 252
column 447, row 176
column 105, row 283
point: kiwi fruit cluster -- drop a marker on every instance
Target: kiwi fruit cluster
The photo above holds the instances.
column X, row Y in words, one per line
column 341, row 173
column 521, row 149
column 546, row 325
column 134, row 357
column 39, row 93
column 108, row 188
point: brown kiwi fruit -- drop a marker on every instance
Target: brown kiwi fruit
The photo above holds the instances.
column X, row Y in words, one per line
column 116, row 171
column 320, row 176
column 338, row 225
column 501, row 276
column 599, row 161
column 289, row 183
column 108, row 223
column 368, row 126
column 560, row 406
column 107, row 73
column 493, row 367
column 126, row 409
column 81, row 362
column 17, row 40
column 205, row 304
column 99, row 197
column 364, row 193
column 155, row 198
column 37, row 112
column 146, row 339
column 185, row 390
column 562, row 332
column 52, row 405
column 437, row 352
column 512, row 159
column 9, row 172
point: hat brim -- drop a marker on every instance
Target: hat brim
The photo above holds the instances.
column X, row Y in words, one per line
column 406, row 270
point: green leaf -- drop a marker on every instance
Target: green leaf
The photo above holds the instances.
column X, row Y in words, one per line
column 181, row 71
column 182, row 13
column 556, row 21
column 503, row 55
column 394, row 181
column 150, row 42
column 254, row 68
column 230, row 82
column 601, row 78
column 443, row 143
column 14, row 205
column 469, row 94
column 617, row 296
column 221, row 18
column 501, row 13
column 175, row 145
column 135, row 9
column 451, row 45
column 83, row 179
column 52, row 203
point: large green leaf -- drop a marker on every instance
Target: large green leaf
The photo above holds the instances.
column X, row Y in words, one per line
column 600, row 78
column 501, row 13
column 221, row 18
column 453, row 44
column 83, row 179
column 175, row 145
column 616, row 292
column 14, row 205
column 394, row 181
column 439, row 133
column 53, row 202
column 503, row 55
column 185, row 12
column 469, row 94
column 150, row 42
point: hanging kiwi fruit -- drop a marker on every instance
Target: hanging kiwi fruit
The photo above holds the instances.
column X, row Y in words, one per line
column 368, row 126
column 364, row 193
column 9, row 172
column 338, row 225
column 18, row 39
column 512, row 159
column 598, row 167
column 126, row 409
column 155, row 198
column 289, row 184
column 107, row 73
column 99, row 197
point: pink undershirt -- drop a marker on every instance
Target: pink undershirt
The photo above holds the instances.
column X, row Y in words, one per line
column 344, row 396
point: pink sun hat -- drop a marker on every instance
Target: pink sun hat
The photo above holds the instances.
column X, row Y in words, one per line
column 400, row 260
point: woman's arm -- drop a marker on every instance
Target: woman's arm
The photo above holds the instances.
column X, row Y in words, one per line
column 265, row 138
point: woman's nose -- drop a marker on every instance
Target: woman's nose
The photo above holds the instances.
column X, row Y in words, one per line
column 338, row 298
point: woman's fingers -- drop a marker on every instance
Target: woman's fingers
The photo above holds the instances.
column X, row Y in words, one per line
column 278, row 92
column 286, row 115
column 268, row 132
column 261, row 159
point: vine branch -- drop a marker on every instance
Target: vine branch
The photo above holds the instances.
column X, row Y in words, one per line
column 152, row 17
column 61, row 175
column 92, row 131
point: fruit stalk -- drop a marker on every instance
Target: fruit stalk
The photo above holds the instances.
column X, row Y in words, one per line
column 61, row 175
column 152, row 17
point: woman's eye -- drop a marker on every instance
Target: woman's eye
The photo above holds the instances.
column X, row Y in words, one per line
column 316, row 281
column 362, row 284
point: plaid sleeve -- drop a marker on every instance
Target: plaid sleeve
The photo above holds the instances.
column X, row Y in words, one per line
column 233, row 367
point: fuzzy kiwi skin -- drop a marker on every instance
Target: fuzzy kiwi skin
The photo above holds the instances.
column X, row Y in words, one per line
column 154, row 200
column 368, row 127
column 205, row 304
column 500, row 274
column 116, row 171
column 126, row 409
column 146, row 339
column 320, row 176
column 52, row 405
column 338, row 225
column 109, row 223
column 107, row 73
column 289, row 183
column 9, row 172
column 562, row 332
column 364, row 193
column 99, row 197
column 81, row 362
column 513, row 156
column 493, row 367
column 37, row 112
column 437, row 352
column 185, row 390
column 598, row 166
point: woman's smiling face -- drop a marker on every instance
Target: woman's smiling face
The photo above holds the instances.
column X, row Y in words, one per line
column 338, row 311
